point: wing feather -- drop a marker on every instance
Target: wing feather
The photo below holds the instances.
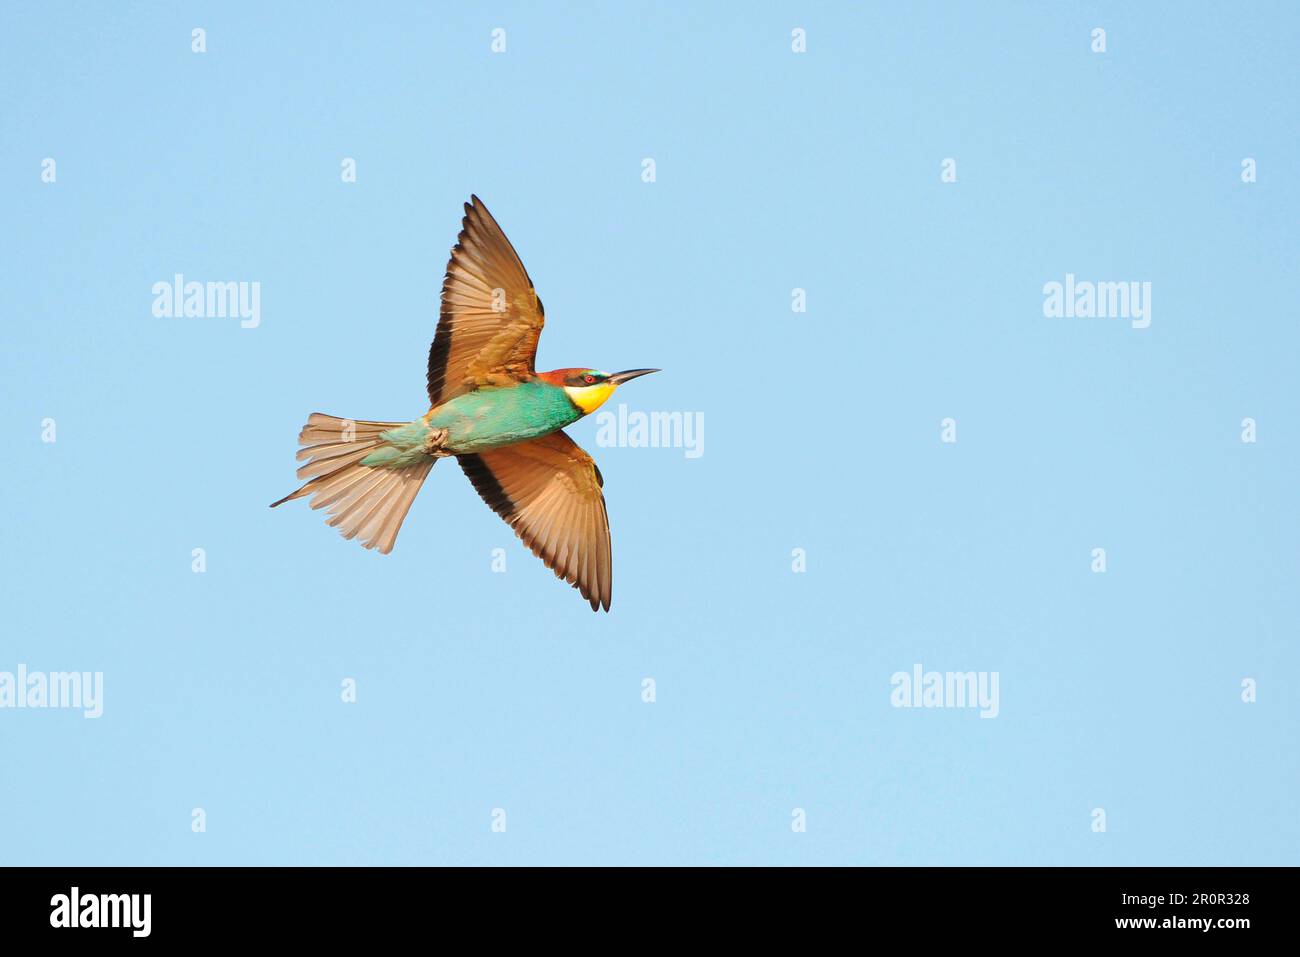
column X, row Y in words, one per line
column 490, row 317
column 549, row 491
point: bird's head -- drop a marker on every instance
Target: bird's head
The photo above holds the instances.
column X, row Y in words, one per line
column 589, row 388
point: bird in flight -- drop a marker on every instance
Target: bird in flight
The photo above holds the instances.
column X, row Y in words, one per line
column 501, row 419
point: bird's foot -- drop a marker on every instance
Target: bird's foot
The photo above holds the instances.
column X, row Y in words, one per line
column 433, row 443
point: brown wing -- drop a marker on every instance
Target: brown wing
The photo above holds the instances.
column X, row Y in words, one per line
column 491, row 316
column 548, row 491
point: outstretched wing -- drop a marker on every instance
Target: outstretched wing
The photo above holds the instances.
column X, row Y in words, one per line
column 548, row 491
column 491, row 316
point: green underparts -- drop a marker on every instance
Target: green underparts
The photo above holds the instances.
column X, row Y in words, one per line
column 478, row 421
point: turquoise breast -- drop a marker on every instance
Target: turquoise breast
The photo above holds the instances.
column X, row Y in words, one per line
column 489, row 418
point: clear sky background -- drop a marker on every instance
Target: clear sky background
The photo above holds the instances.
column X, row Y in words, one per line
column 775, row 170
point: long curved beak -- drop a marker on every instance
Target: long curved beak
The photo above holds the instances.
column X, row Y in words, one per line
column 618, row 378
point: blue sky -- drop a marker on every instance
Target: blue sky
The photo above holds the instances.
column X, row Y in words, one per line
column 774, row 170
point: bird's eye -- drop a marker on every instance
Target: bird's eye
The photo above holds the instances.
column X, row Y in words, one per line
column 588, row 378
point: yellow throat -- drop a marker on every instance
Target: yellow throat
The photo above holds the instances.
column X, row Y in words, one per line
column 589, row 398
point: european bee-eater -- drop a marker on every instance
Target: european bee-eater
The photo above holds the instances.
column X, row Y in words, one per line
column 493, row 412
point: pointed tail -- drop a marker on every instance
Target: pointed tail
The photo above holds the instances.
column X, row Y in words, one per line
column 364, row 502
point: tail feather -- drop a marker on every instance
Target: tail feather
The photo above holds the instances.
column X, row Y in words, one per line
column 362, row 501
column 329, row 464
